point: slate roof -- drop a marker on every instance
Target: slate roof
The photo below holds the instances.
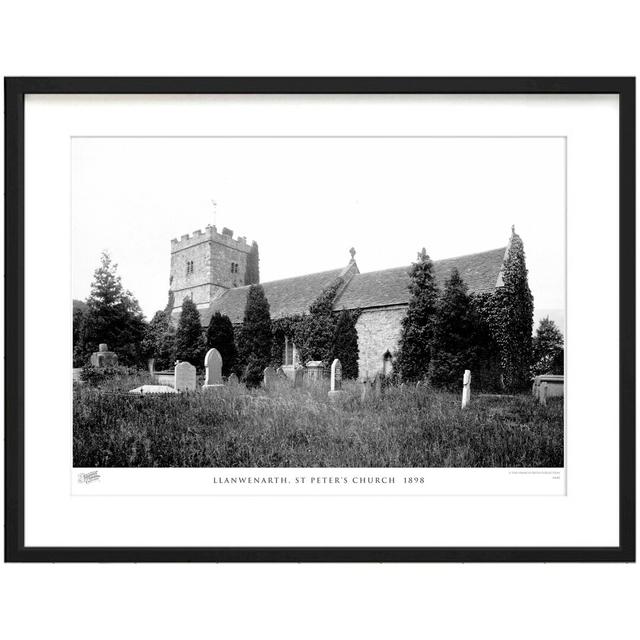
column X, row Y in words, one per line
column 374, row 289
column 286, row 297
column 390, row 286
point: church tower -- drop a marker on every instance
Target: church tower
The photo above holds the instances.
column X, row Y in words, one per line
column 204, row 265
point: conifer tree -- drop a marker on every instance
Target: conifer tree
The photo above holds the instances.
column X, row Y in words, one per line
column 345, row 344
column 189, row 339
column 512, row 318
column 159, row 341
column 548, row 349
column 254, row 344
column 220, row 336
column 414, row 352
column 453, row 335
column 252, row 272
column 113, row 316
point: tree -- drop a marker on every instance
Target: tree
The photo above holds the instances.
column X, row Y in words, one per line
column 189, row 340
column 254, row 344
column 252, row 272
column 314, row 334
column 345, row 344
column 113, row 316
column 416, row 337
column 78, row 339
column 220, row 337
column 511, row 317
column 160, row 341
column 548, row 349
column 453, row 335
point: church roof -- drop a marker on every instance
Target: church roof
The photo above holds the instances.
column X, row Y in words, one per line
column 286, row 297
column 388, row 287
column 391, row 286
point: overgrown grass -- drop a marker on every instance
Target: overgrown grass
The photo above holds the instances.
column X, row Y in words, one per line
column 236, row 427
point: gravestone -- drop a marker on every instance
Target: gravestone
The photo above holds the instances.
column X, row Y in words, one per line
column 315, row 369
column 542, row 393
column 213, row 367
column 269, row 378
column 298, row 378
column 466, row 388
column 366, row 390
column 555, row 385
column 152, row 389
column 377, row 386
column 232, row 380
column 103, row 357
column 185, row 377
column 281, row 374
column 336, row 380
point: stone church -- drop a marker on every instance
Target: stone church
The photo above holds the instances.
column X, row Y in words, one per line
column 209, row 267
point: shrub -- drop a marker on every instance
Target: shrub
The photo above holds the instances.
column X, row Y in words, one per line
column 510, row 313
column 345, row 343
column 95, row 376
column 453, row 340
column 254, row 344
column 189, row 340
column 220, row 336
column 414, row 352
column 548, row 349
column 160, row 341
column 314, row 333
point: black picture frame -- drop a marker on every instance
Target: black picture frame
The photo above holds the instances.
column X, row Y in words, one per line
column 15, row 91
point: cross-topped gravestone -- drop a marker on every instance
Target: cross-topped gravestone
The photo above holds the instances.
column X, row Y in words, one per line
column 213, row 367
column 185, row 377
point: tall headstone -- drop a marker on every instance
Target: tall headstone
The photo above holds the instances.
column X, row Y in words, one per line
column 269, row 379
column 185, row 377
column 298, row 378
column 466, row 388
column 336, row 380
column 336, row 375
column 213, row 368
column 365, row 394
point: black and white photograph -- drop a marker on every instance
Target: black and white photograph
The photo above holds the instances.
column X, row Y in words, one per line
column 318, row 301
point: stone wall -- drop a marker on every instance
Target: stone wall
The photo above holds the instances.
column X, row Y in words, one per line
column 212, row 255
column 378, row 332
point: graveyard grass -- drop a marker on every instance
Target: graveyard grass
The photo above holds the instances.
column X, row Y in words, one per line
column 285, row 427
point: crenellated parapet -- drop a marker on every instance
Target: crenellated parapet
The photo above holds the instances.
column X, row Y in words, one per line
column 210, row 234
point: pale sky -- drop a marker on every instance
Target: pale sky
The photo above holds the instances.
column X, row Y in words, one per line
column 306, row 201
